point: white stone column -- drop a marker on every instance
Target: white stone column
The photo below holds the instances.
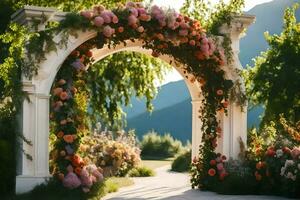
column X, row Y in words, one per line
column 196, row 127
column 35, row 122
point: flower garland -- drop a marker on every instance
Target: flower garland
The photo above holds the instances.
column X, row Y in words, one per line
column 163, row 31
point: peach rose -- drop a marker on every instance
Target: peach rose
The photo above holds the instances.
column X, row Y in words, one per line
column 64, row 96
column 62, row 82
column 68, row 138
column 57, row 91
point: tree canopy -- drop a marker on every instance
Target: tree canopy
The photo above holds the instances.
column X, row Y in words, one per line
column 274, row 80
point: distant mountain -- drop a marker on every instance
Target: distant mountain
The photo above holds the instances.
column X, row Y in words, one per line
column 172, row 106
column 176, row 119
column 268, row 18
column 168, row 95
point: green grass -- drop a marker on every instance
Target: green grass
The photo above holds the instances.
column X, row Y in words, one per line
column 141, row 172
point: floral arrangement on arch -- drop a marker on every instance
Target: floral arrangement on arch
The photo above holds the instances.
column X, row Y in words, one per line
column 163, row 31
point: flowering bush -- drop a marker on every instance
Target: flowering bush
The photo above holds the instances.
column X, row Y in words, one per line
column 116, row 156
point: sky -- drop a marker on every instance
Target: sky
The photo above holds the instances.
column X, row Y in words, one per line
column 176, row 4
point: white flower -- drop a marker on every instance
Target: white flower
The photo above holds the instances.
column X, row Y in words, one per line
column 279, row 153
column 289, row 163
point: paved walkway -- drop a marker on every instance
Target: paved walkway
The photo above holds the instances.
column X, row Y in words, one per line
column 168, row 185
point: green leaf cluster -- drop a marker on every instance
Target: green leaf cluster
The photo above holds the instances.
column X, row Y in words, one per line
column 274, row 80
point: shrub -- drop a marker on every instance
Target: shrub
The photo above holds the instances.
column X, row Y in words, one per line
column 154, row 145
column 182, row 162
column 141, row 172
column 115, row 155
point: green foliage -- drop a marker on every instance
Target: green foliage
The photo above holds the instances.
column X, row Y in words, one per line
column 118, row 77
column 182, row 162
column 274, row 80
column 141, row 172
column 154, row 145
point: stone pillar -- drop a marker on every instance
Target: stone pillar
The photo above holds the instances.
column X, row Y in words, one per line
column 35, row 122
column 196, row 127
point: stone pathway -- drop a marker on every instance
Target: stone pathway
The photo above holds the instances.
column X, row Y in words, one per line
column 168, row 185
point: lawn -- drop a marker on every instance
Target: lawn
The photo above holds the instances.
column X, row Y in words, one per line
column 154, row 164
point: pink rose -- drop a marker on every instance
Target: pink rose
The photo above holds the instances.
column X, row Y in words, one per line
column 134, row 12
column 204, row 40
column 106, row 16
column 132, row 20
column 98, row 21
column 108, row 31
column 220, row 166
column 183, row 32
column 71, row 181
column 87, row 14
column 295, row 152
column 115, row 19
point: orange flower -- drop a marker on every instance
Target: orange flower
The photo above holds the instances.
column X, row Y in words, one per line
column 220, row 92
column 258, row 177
column 258, row 165
column 57, row 91
column 69, row 138
column 89, row 54
column 213, row 162
column 63, row 96
column 76, row 160
column 61, row 176
column 199, row 55
column 160, row 36
column 62, row 82
column 211, row 172
column 60, row 134
column 121, row 29
column 225, row 104
column 78, row 170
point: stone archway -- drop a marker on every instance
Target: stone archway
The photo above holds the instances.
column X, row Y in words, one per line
column 35, row 118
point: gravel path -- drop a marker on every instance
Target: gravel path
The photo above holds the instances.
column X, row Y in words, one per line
column 168, row 185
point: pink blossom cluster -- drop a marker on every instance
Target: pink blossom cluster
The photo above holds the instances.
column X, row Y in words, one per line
column 88, row 176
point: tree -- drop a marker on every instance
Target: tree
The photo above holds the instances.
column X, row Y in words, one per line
column 274, row 80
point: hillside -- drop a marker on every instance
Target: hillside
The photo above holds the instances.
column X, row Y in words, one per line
column 176, row 120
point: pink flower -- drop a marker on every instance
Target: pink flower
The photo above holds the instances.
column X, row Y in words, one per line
column 115, row 19
column 87, row 14
column 132, row 20
column 141, row 11
column 71, row 181
column 108, row 31
column 295, row 152
column 183, row 32
column 192, row 42
column 130, row 4
column 184, row 25
column 98, row 21
column 106, row 15
column 145, row 17
column 220, row 166
column 204, row 40
column 134, row 12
